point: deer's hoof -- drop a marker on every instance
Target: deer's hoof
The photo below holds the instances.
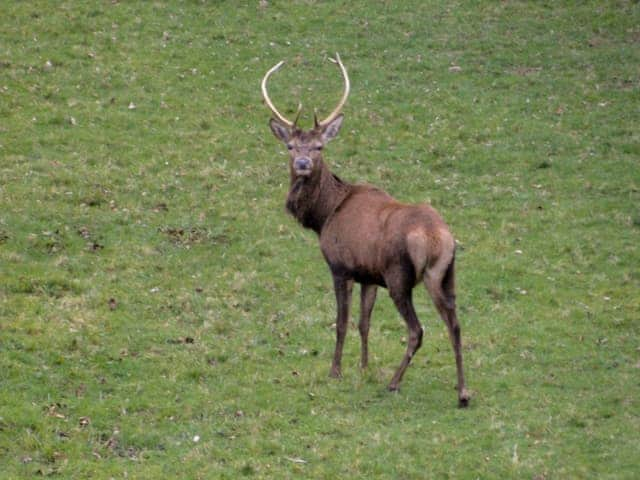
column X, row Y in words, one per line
column 393, row 388
column 463, row 399
column 335, row 373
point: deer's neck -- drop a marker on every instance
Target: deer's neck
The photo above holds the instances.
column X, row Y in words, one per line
column 312, row 200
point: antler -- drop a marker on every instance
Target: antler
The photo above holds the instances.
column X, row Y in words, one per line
column 332, row 115
column 343, row 100
column 268, row 100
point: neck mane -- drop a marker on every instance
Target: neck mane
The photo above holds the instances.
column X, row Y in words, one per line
column 312, row 200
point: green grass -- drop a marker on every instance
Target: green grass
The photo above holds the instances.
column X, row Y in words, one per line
column 162, row 317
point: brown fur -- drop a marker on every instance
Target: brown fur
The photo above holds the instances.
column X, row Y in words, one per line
column 368, row 237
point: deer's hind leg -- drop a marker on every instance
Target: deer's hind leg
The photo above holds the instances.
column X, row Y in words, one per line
column 440, row 282
column 400, row 286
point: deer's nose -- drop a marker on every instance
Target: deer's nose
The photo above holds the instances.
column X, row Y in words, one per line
column 302, row 163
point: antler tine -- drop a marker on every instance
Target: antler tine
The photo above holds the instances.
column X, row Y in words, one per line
column 268, row 101
column 295, row 122
column 347, row 87
column 315, row 118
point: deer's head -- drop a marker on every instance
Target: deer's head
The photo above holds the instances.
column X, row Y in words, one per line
column 305, row 146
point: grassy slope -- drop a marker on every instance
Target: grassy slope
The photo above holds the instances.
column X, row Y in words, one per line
column 222, row 322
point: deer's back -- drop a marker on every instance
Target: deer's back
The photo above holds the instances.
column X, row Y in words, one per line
column 369, row 232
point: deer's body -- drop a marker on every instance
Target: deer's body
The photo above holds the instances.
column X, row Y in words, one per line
column 368, row 237
column 365, row 233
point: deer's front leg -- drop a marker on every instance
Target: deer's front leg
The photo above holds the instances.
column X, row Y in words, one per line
column 343, row 289
column 367, row 301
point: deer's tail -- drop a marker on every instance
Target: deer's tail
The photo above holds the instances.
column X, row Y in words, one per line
column 449, row 283
column 440, row 280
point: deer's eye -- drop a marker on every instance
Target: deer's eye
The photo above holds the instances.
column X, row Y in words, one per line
column 318, row 147
column 289, row 146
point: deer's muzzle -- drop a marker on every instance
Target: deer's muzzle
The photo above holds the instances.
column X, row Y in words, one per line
column 303, row 166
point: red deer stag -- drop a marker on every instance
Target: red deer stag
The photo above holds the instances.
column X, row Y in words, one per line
column 368, row 237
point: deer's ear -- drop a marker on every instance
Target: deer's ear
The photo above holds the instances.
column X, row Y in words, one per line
column 331, row 130
column 281, row 131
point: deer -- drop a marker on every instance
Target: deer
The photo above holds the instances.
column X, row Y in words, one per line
column 368, row 237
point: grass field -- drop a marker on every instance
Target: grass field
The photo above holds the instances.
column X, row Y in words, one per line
column 161, row 316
